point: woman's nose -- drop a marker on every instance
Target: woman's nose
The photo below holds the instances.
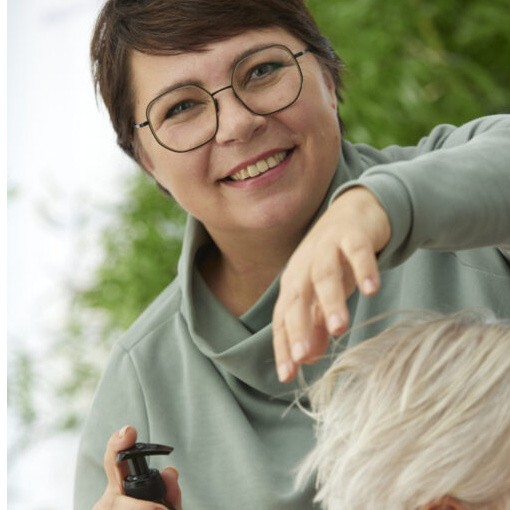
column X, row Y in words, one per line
column 235, row 122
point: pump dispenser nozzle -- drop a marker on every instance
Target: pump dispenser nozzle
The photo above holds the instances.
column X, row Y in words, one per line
column 142, row 482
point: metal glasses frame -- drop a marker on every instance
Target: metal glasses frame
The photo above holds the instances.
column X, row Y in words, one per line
column 212, row 94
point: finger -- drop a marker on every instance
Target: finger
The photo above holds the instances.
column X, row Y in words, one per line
column 328, row 281
column 298, row 327
column 363, row 263
column 295, row 309
column 117, row 471
column 316, row 342
column 320, row 336
column 285, row 367
column 121, row 502
column 170, row 476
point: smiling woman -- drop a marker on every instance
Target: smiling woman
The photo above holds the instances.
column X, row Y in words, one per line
column 293, row 233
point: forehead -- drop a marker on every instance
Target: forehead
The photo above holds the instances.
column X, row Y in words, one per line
column 210, row 67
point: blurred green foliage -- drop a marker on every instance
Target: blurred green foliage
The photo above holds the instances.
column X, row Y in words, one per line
column 409, row 65
column 413, row 64
column 141, row 248
column 22, row 381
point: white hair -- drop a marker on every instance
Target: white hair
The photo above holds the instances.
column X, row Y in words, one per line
column 416, row 413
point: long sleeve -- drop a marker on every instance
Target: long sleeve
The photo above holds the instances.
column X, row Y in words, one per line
column 451, row 192
column 119, row 401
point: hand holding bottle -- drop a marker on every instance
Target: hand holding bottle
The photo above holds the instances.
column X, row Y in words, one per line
column 114, row 497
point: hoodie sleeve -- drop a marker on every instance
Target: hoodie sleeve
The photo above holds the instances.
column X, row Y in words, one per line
column 451, row 192
column 119, row 401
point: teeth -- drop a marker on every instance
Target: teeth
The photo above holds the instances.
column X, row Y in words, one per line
column 260, row 167
column 272, row 162
column 252, row 170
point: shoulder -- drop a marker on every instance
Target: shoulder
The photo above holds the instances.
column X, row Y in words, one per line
column 443, row 136
column 164, row 310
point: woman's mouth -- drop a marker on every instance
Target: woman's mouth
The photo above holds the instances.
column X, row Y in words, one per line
column 259, row 167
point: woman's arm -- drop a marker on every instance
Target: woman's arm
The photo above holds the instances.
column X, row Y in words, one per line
column 453, row 194
column 450, row 192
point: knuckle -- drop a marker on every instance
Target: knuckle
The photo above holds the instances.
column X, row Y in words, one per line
column 279, row 311
column 355, row 246
column 287, row 279
column 290, row 291
column 278, row 325
column 326, row 272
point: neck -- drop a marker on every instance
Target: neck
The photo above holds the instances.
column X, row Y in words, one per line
column 239, row 268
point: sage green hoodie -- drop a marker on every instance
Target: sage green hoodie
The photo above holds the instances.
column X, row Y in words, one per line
column 191, row 375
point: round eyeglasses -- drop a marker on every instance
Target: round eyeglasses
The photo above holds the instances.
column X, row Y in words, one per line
column 265, row 81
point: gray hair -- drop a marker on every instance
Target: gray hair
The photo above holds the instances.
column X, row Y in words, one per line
column 416, row 413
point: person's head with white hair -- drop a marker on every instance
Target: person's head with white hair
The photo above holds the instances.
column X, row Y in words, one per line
column 417, row 417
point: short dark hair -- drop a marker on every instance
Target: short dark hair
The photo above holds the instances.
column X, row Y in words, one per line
column 162, row 27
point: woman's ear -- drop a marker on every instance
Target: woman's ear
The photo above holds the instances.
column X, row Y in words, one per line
column 330, row 83
column 444, row 503
column 330, row 87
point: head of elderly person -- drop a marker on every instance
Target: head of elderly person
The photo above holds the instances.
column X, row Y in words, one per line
column 417, row 418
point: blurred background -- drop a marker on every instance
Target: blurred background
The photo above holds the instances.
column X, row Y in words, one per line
column 63, row 184
column 91, row 241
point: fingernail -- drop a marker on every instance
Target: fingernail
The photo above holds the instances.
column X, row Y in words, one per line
column 369, row 286
column 284, row 372
column 122, row 431
column 336, row 322
column 299, row 351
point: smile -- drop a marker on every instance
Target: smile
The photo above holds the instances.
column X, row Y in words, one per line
column 259, row 167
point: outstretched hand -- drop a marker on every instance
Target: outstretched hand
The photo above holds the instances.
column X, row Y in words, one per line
column 338, row 254
column 114, row 498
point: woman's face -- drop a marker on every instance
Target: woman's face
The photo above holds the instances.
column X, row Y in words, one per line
column 306, row 134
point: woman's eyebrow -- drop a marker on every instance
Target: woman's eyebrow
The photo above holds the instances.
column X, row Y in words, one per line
column 180, row 83
column 237, row 57
column 252, row 49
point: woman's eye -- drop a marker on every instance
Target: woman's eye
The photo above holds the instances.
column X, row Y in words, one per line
column 264, row 70
column 179, row 109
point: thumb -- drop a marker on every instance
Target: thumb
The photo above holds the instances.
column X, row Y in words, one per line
column 170, row 476
column 116, row 472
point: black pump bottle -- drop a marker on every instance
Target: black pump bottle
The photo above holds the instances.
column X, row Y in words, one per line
column 142, row 482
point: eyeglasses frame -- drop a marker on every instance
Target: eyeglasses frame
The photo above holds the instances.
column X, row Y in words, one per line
column 295, row 56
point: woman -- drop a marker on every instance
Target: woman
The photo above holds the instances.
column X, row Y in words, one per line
column 232, row 108
column 420, row 419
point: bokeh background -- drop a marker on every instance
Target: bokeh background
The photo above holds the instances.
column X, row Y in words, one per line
column 91, row 241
